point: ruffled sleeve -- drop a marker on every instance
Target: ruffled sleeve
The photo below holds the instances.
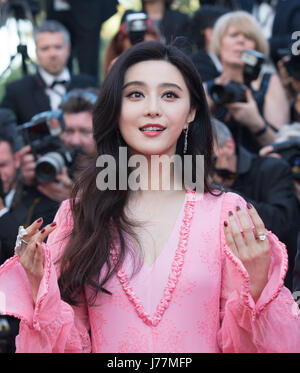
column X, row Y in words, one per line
column 51, row 325
column 272, row 324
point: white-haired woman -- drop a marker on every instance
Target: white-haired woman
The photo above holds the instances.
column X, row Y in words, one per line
column 255, row 122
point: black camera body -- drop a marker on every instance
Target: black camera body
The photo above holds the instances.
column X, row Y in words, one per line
column 290, row 151
column 235, row 91
column 231, row 92
column 42, row 134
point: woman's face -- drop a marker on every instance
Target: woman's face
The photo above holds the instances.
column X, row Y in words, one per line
column 155, row 108
column 233, row 44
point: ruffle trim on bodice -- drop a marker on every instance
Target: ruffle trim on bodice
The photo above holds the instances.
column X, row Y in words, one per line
column 175, row 272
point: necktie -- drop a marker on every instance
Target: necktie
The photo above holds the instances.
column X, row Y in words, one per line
column 63, row 82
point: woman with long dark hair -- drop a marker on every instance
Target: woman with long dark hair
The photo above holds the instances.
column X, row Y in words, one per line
column 136, row 266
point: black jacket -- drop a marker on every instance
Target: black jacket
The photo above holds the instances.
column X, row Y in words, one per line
column 266, row 182
column 204, row 65
column 27, row 97
column 173, row 24
column 286, row 21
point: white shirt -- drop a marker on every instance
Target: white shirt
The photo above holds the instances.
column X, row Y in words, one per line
column 264, row 13
column 55, row 94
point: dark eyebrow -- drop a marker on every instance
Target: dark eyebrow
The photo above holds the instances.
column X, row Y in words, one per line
column 138, row 83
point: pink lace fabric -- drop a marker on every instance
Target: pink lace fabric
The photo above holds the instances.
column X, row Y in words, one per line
column 194, row 298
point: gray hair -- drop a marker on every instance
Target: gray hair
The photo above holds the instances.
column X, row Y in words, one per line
column 52, row 26
column 221, row 132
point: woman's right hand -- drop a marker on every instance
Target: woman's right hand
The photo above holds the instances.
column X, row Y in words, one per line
column 31, row 254
column 27, row 165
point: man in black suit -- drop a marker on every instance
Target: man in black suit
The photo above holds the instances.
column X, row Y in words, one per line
column 43, row 91
column 19, row 205
column 84, row 21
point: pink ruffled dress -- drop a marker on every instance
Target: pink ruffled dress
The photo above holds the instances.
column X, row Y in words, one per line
column 194, row 298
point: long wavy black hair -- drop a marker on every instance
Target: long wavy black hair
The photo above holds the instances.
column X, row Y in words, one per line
column 99, row 217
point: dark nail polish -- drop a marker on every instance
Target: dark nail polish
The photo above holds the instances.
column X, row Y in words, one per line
column 249, row 206
column 39, row 220
column 238, row 208
column 53, row 224
column 36, row 245
column 43, row 230
column 230, row 213
column 225, row 223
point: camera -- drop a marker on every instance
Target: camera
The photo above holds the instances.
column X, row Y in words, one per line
column 235, row 91
column 231, row 92
column 136, row 25
column 290, row 151
column 42, row 134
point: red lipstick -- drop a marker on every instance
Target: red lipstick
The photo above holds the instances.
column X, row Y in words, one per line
column 152, row 129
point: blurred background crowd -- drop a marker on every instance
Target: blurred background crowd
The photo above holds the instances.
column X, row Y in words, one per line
column 247, row 53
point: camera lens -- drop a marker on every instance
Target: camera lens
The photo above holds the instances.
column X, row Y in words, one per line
column 220, row 95
column 231, row 92
column 48, row 166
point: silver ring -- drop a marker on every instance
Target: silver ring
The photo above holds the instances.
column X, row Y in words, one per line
column 21, row 233
column 261, row 236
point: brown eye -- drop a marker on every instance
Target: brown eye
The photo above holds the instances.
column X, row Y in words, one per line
column 134, row 94
column 170, row 95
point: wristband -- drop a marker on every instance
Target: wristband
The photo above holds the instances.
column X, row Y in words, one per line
column 261, row 131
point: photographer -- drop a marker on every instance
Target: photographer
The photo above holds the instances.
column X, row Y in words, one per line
column 84, row 20
column 19, row 204
column 43, row 90
column 76, row 138
column 266, row 182
column 135, row 27
column 256, row 105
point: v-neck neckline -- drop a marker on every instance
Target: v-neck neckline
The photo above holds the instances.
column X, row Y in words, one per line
column 172, row 232
column 174, row 273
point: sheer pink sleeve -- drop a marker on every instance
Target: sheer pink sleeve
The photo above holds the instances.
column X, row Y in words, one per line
column 272, row 324
column 51, row 325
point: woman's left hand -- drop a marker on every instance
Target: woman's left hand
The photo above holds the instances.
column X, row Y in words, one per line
column 250, row 246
